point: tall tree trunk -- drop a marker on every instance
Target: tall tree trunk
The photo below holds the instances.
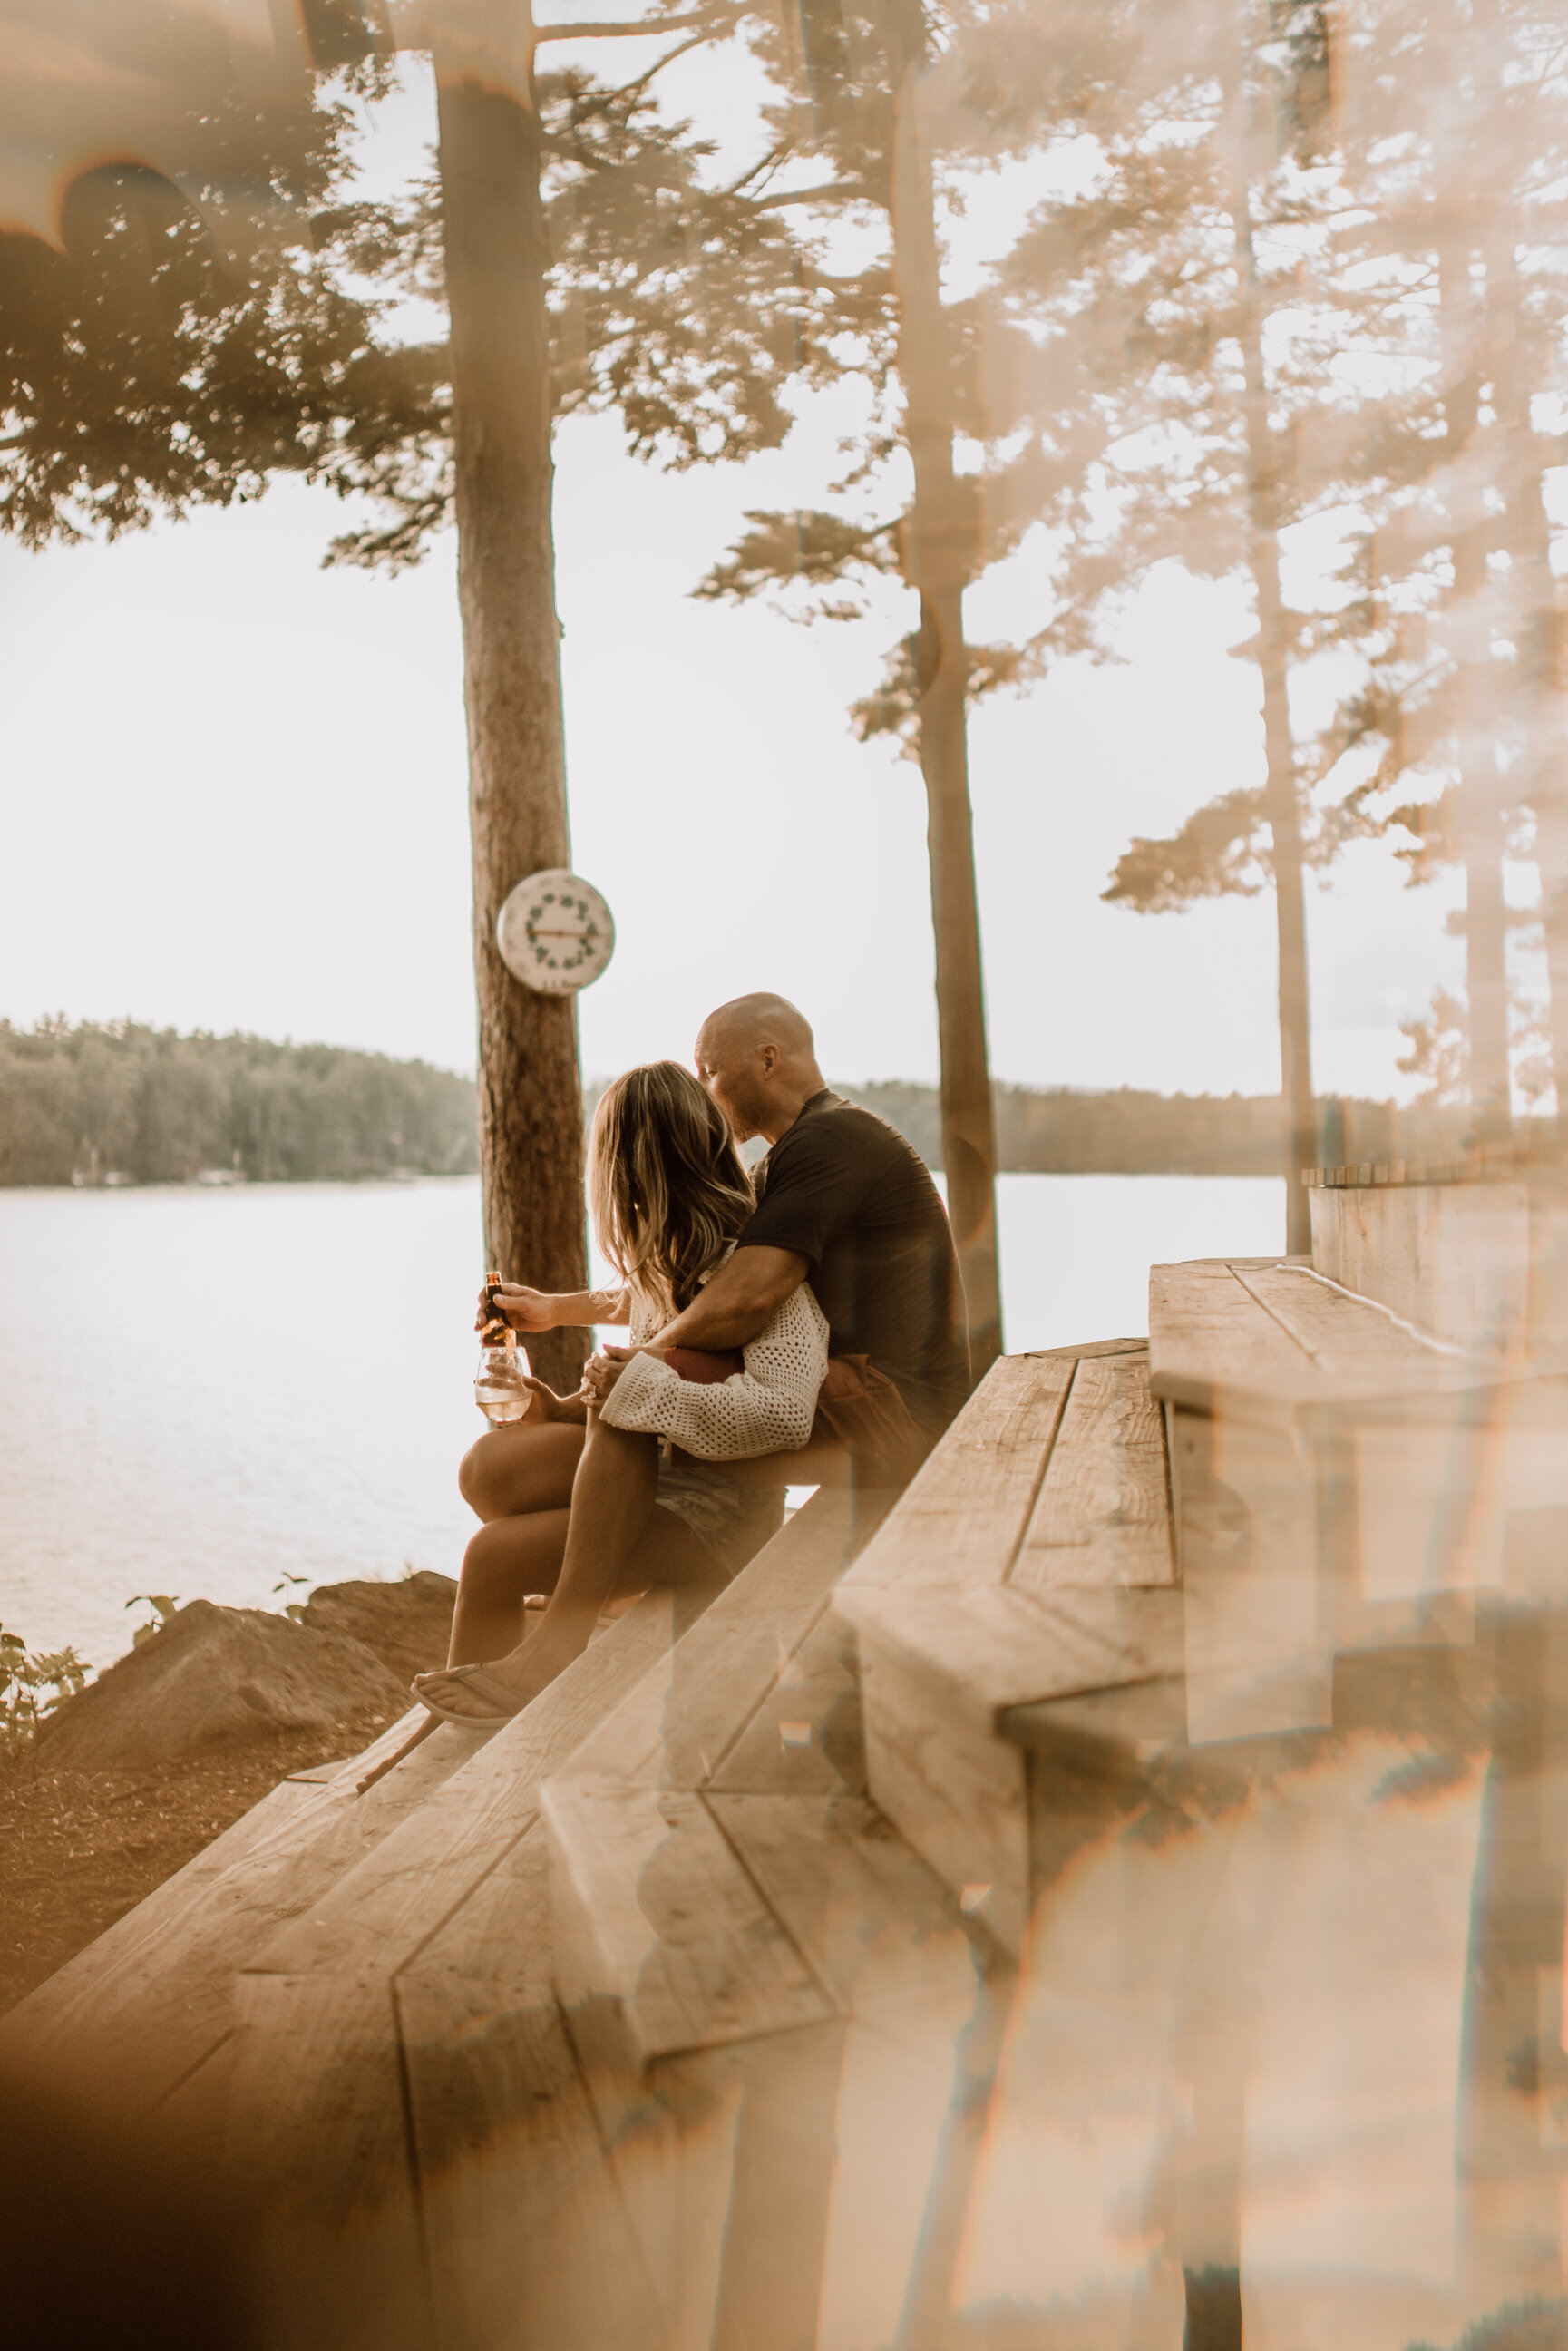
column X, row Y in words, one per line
column 530, row 1100
column 1479, row 822
column 1282, row 797
column 1536, row 626
column 939, row 559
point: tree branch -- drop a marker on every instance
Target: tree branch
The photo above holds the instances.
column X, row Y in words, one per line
column 831, row 193
column 645, row 29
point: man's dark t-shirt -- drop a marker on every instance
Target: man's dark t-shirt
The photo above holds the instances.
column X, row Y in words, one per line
column 845, row 1191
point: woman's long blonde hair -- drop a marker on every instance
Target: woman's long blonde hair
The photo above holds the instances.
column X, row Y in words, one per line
column 665, row 1182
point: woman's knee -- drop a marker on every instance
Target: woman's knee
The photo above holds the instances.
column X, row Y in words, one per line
column 476, row 1474
column 508, row 1471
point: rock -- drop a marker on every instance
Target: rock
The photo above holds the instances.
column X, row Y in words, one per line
column 213, row 1677
column 407, row 1623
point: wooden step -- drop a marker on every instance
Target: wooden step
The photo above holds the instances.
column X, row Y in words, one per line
column 772, row 1997
column 1340, row 1482
column 365, row 2129
column 341, row 2129
column 1069, row 1589
column 151, row 1999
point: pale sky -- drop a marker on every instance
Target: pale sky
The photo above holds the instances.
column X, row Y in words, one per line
column 233, row 793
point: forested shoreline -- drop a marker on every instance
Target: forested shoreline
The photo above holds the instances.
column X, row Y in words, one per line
column 92, row 1103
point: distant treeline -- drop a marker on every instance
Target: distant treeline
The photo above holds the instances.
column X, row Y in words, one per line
column 81, row 1104
column 1064, row 1132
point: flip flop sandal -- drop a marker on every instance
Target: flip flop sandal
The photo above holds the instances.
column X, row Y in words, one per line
column 484, row 1684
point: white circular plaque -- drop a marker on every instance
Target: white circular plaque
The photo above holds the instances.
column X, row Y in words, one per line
column 555, row 933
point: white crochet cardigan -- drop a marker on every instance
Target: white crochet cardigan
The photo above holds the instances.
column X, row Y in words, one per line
column 768, row 1407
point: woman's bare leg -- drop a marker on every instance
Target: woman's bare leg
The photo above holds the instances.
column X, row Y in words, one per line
column 507, row 1559
column 615, row 1530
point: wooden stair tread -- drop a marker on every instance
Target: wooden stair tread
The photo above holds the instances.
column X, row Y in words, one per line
column 987, row 1652
column 153, row 1993
column 1272, row 1344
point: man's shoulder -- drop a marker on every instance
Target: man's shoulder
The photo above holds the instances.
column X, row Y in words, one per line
column 831, row 1127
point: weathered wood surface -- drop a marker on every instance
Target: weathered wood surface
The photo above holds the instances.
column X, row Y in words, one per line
column 315, row 2084
column 805, row 1739
column 681, row 1721
column 322, row 2005
column 1348, row 1338
column 527, row 2241
column 655, row 1913
column 961, row 1519
column 956, row 1792
column 877, row 1926
column 1296, row 1361
column 154, row 1994
column 376, row 1917
column 1008, row 1647
column 1259, row 1611
column 1103, row 1514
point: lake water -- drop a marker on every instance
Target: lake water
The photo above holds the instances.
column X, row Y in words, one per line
column 200, row 1390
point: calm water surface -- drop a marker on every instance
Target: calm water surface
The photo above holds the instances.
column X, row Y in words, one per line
column 203, row 1390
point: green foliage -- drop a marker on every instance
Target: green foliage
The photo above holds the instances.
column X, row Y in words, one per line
column 1222, row 850
column 185, row 343
column 163, row 1605
column 83, row 1101
column 295, row 1609
column 32, row 1683
column 1061, row 1130
column 1536, row 2325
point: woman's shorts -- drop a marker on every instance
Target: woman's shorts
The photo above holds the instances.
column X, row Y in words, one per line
column 730, row 1517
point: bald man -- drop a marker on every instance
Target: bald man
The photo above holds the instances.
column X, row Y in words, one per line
column 845, row 1203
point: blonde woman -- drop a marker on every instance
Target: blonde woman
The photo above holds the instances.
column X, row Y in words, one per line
column 669, row 1195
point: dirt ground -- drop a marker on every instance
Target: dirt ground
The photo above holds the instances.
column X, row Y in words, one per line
column 78, row 1849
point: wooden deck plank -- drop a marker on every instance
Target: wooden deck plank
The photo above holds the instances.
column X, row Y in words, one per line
column 942, row 1674
column 376, row 1917
column 1207, row 1334
column 529, row 2243
column 1102, row 1515
column 1015, row 1646
column 878, row 1925
column 654, row 1915
column 961, row 1519
column 1260, row 1613
column 1300, row 1360
column 806, row 1738
column 1344, row 1335
column 153, row 1993
column 682, row 1721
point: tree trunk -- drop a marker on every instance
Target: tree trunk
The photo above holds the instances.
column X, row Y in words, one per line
column 940, row 555
column 1536, row 628
column 1280, row 753
column 531, row 1100
column 1479, row 824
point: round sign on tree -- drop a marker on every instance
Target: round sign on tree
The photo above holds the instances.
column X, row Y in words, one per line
column 555, row 933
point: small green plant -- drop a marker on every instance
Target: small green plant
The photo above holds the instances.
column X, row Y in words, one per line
column 31, row 1685
column 293, row 1608
column 162, row 1605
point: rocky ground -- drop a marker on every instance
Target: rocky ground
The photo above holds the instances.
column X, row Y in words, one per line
column 180, row 1738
